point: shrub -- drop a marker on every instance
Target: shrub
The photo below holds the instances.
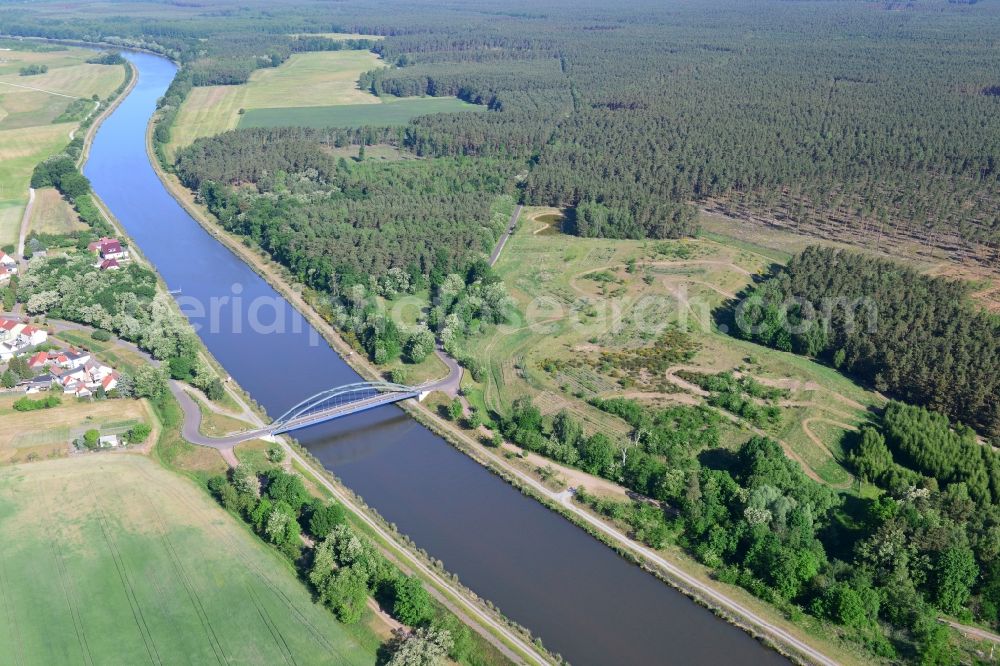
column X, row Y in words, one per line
column 138, row 433
column 29, row 405
column 90, row 438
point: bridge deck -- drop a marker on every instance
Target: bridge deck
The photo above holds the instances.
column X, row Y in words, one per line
column 340, row 411
column 306, row 413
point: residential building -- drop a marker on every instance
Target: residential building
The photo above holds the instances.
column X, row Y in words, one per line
column 83, row 380
column 8, row 262
column 109, row 248
column 17, row 337
column 39, row 383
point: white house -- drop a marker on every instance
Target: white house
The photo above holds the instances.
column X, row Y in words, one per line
column 83, row 380
column 15, row 337
column 8, row 262
column 72, row 359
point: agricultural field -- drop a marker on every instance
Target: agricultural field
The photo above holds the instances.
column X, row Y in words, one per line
column 37, row 115
column 605, row 318
column 306, row 79
column 51, row 214
column 318, row 89
column 47, row 433
column 393, row 112
column 136, row 564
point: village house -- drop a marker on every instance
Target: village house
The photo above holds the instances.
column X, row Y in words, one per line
column 39, row 383
column 107, row 249
column 8, row 263
column 82, row 381
column 16, row 337
column 63, row 359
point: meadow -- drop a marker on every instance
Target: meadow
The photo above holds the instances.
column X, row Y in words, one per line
column 30, row 108
column 393, row 112
column 587, row 306
column 134, row 564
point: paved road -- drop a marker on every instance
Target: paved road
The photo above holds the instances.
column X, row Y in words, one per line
column 453, row 381
column 506, row 235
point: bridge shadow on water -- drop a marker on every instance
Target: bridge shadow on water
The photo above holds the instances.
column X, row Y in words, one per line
column 358, row 436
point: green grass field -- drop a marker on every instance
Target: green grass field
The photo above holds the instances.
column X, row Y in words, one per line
column 398, row 112
column 28, row 107
column 109, row 558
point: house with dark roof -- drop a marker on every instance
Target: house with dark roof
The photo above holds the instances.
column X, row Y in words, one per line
column 109, row 248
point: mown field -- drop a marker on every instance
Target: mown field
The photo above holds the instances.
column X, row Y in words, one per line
column 51, row 214
column 306, row 79
column 578, row 299
column 112, row 559
column 46, row 433
column 30, row 108
column 394, row 112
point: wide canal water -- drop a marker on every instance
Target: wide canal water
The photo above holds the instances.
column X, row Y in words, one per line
column 582, row 599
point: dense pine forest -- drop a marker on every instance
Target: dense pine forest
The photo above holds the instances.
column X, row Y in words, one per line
column 335, row 221
column 916, row 337
column 863, row 119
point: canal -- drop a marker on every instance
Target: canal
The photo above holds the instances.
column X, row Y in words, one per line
column 582, row 599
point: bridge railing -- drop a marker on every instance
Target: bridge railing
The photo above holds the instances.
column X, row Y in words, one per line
column 340, row 396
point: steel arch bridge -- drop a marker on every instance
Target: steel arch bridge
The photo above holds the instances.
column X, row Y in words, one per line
column 339, row 402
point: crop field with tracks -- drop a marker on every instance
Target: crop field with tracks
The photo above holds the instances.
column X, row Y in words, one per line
column 110, row 558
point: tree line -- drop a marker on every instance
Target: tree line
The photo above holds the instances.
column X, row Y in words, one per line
column 342, row 565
